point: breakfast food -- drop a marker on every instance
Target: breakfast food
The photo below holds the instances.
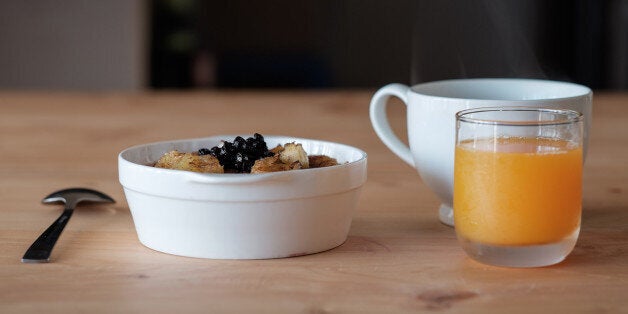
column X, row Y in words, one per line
column 190, row 162
column 318, row 161
column 239, row 155
column 249, row 155
column 294, row 153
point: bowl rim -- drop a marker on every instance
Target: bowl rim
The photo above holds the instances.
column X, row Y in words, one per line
column 240, row 177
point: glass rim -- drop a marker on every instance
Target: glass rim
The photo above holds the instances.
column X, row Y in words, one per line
column 569, row 116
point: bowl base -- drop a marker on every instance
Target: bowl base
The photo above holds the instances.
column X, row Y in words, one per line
column 235, row 257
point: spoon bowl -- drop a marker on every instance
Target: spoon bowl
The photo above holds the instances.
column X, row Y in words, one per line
column 71, row 197
column 39, row 251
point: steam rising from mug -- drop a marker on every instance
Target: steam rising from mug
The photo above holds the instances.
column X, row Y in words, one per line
column 465, row 39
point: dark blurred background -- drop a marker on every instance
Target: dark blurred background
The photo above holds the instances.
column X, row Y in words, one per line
column 193, row 44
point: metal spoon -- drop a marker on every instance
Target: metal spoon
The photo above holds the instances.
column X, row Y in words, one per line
column 39, row 251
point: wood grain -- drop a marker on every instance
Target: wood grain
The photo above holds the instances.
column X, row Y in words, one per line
column 398, row 257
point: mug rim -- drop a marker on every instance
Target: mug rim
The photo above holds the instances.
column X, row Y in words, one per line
column 566, row 116
column 431, row 89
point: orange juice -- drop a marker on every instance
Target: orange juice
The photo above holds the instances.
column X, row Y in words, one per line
column 517, row 191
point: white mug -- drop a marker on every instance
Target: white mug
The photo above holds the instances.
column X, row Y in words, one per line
column 431, row 109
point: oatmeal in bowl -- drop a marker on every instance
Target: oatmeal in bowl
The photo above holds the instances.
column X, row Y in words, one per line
column 296, row 203
column 249, row 155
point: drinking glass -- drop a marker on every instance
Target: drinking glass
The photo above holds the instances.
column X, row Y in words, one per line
column 518, row 184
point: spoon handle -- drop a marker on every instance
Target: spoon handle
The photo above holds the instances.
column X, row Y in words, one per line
column 39, row 251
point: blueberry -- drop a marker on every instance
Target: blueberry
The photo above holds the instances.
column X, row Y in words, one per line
column 215, row 151
column 239, row 142
column 241, row 154
column 204, row 151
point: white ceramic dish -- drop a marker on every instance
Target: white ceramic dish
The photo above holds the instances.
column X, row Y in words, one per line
column 242, row 216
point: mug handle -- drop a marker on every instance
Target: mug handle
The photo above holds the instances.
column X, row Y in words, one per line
column 379, row 119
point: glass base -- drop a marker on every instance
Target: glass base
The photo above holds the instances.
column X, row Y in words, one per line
column 520, row 256
column 446, row 215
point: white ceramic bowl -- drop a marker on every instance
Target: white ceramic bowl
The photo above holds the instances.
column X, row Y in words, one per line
column 242, row 216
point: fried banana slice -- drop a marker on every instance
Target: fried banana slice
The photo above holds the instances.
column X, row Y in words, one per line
column 292, row 153
column 190, row 162
column 318, row 161
column 277, row 149
column 273, row 164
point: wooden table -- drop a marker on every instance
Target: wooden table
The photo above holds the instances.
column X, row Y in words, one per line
column 398, row 257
